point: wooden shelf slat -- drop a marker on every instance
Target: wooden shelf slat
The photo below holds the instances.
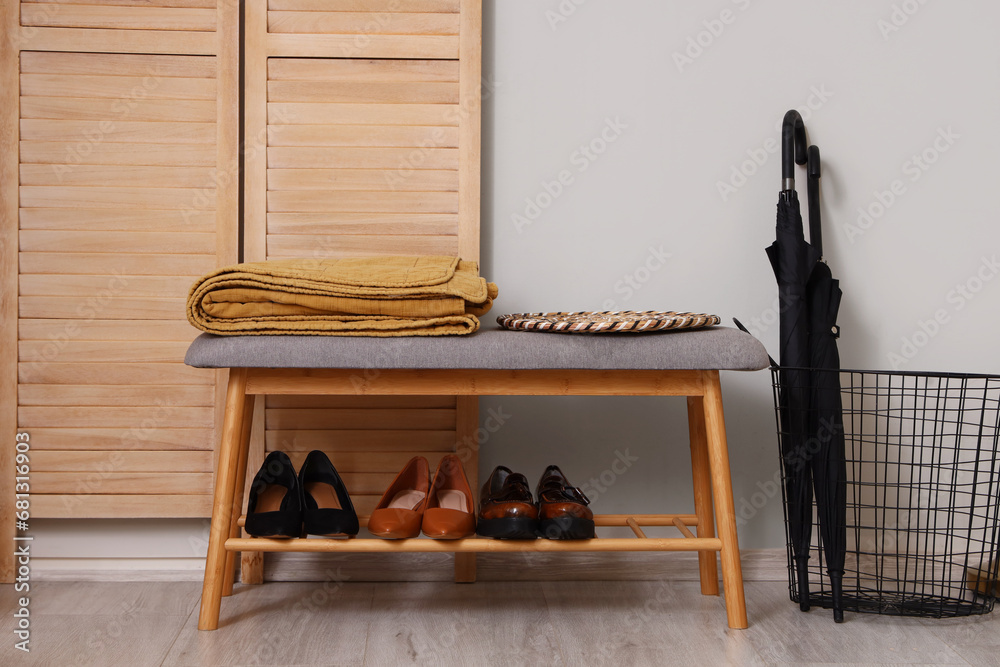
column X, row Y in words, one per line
column 683, row 528
column 474, row 545
column 637, row 530
column 605, row 519
column 645, row 519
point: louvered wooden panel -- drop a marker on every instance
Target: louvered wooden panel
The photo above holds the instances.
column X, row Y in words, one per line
column 362, row 29
column 118, row 186
column 88, row 462
column 101, row 439
column 115, row 395
column 197, row 15
column 368, row 180
column 363, row 119
column 122, row 506
column 154, row 263
column 362, row 23
column 118, row 214
column 371, row 6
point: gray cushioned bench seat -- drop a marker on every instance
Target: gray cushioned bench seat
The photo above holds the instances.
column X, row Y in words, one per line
column 717, row 348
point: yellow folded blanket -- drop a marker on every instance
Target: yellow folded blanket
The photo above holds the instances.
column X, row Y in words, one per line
column 357, row 296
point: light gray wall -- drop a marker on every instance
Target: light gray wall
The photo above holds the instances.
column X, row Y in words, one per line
column 872, row 96
column 878, row 96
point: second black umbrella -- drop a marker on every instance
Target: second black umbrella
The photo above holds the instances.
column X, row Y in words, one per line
column 826, row 415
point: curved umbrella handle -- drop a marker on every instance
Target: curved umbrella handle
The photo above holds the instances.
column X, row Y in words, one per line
column 815, row 222
column 793, row 147
column 815, row 170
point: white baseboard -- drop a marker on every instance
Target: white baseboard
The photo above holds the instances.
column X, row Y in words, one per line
column 117, row 569
column 758, row 565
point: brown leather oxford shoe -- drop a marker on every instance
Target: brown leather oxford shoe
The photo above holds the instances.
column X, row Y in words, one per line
column 506, row 508
column 562, row 509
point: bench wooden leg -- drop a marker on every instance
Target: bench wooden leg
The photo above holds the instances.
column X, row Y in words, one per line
column 229, row 573
column 252, row 562
column 701, row 471
column 222, row 506
column 465, row 568
column 722, row 490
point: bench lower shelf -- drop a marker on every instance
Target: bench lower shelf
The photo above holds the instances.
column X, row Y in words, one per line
column 475, row 545
column 488, row 545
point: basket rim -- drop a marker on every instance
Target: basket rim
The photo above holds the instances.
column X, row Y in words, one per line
column 935, row 374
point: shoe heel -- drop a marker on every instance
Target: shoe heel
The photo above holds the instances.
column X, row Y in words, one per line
column 508, row 528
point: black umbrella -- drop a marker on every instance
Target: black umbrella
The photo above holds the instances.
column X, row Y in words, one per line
column 826, row 417
column 810, row 409
column 793, row 261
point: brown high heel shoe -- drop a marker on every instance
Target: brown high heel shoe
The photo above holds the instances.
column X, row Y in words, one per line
column 400, row 512
column 450, row 512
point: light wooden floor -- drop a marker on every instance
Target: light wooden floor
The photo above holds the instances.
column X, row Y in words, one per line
column 546, row 623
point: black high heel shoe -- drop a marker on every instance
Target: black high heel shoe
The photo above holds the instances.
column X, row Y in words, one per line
column 327, row 508
column 274, row 506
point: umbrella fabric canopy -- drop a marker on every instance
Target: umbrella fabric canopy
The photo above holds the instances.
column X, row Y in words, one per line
column 826, row 416
column 791, row 258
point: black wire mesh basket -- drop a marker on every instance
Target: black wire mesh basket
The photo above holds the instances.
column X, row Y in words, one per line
column 922, row 491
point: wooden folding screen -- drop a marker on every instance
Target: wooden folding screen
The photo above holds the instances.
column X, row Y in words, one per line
column 362, row 124
column 119, row 182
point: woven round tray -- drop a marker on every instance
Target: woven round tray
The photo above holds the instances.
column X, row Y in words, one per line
column 609, row 321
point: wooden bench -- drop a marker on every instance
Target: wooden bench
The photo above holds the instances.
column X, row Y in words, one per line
column 490, row 363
